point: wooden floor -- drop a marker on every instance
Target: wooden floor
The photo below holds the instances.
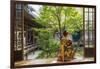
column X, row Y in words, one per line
column 33, row 61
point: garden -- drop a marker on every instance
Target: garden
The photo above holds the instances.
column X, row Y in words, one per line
column 57, row 19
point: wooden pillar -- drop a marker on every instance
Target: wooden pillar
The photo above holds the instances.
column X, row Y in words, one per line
column 22, row 31
column 84, row 29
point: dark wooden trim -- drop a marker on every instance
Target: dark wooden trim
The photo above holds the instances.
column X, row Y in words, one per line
column 84, row 28
column 13, row 2
column 95, row 33
column 54, row 4
column 12, row 8
column 56, row 64
column 88, row 28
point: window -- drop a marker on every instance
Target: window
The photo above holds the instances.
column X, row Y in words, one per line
column 89, row 27
column 18, row 28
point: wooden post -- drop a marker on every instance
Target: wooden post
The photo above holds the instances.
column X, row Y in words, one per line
column 22, row 21
column 84, row 28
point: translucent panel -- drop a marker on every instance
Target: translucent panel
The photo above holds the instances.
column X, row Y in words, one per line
column 18, row 14
column 91, row 46
column 93, row 22
column 86, row 37
column 86, row 9
column 18, row 6
column 90, row 17
column 93, row 26
column 91, row 43
column 90, row 9
column 86, row 16
column 86, row 25
column 90, row 35
column 15, row 40
column 93, row 36
column 86, row 45
column 93, row 10
column 91, row 39
column 90, row 25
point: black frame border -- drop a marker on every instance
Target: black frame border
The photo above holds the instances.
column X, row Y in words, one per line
column 12, row 18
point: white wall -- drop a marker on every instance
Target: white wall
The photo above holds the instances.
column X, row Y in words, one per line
column 5, row 34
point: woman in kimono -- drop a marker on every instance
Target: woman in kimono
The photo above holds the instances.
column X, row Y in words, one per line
column 66, row 51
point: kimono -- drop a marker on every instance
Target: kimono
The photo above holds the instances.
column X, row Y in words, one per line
column 66, row 51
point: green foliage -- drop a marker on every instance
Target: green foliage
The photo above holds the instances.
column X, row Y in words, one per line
column 74, row 21
column 46, row 43
column 60, row 18
column 56, row 19
column 79, row 50
column 50, row 51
